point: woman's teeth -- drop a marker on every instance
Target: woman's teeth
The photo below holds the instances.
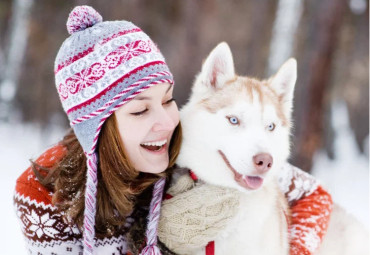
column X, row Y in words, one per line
column 154, row 146
column 158, row 143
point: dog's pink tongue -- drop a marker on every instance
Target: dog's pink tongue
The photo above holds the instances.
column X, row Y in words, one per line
column 253, row 182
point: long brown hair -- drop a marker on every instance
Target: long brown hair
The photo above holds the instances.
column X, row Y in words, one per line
column 119, row 184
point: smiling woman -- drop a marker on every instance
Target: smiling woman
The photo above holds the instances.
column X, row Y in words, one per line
column 83, row 194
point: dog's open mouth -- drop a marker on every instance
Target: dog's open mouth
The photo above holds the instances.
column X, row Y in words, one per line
column 253, row 182
column 246, row 181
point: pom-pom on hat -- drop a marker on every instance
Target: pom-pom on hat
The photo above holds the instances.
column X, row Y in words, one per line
column 81, row 18
column 99, row 68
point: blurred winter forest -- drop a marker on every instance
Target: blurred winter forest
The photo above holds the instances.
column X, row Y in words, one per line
column 329, row 38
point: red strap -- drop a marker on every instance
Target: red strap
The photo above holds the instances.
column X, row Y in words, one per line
column 210, row 248
column 193, row 176
column 167, row 196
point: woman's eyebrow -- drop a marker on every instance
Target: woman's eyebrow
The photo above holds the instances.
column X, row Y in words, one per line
column 142, row 98
column 149, row 98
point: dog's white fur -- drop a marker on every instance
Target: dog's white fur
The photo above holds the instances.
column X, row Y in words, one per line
column 219, row 97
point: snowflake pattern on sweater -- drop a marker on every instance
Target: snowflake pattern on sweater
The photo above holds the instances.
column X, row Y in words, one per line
column 44, row 228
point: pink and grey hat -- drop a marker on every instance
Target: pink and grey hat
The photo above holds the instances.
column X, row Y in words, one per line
column 99, row 68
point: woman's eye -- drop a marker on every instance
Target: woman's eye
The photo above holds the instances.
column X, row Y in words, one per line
column 233, row 120
column 271, row 127
column 170, row 101
column 139, row 113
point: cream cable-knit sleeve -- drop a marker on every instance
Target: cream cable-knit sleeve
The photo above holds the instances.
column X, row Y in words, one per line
column 193, row 218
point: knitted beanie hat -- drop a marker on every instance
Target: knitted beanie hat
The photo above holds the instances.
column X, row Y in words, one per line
column 99, row 68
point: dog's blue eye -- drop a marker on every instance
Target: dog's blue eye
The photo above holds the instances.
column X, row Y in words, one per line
column 233, row 120
column 271, row 127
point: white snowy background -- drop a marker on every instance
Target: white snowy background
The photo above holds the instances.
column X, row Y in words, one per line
column 346, row 177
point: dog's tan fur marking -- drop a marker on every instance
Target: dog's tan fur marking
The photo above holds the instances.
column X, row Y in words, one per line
column 244, row 86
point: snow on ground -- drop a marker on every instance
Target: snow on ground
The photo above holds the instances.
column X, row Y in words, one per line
column 347, row 178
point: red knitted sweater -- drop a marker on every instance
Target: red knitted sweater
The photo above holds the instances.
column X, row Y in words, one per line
column 43, row 226
column 46, row 232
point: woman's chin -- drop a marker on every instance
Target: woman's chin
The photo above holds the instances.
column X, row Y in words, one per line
column 155, row 168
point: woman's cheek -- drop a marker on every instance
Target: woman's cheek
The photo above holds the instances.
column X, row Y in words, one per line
column 176, row 114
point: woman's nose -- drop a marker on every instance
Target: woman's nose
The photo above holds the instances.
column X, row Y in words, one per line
column 166, row 121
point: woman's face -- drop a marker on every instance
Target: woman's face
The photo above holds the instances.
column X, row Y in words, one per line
column 146, row 125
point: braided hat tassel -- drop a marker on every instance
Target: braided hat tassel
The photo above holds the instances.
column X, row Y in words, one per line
column 90, row 204
column 153, row 220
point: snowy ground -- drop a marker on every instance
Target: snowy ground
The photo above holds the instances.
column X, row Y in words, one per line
column 347, row 178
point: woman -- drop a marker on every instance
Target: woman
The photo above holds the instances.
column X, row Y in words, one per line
column 99, row 69
column 83, row 194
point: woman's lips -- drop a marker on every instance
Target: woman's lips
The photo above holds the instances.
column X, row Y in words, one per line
column 154, row 148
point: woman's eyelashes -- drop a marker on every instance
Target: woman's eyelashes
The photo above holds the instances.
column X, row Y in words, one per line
column 146, row 109
column 170, row 101
column 139, row 113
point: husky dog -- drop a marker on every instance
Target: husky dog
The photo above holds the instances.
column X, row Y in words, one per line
column 236, row 134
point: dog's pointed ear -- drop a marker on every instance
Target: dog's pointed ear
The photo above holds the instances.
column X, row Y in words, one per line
column 218, row 67
column 283, row 83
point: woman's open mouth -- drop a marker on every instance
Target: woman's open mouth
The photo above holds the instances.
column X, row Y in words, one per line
column 246, row 181
column 158, row 146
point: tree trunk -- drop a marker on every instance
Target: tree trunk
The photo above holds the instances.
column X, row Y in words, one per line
column 288, row 14
column 16, row 49
column 315, row 82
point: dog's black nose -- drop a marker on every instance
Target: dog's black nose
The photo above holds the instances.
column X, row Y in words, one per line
column 262, row 162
